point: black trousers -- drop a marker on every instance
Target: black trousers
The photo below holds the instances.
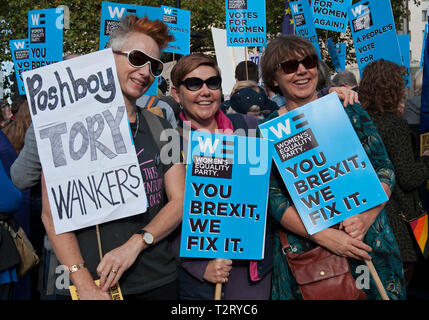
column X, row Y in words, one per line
column 6, row 291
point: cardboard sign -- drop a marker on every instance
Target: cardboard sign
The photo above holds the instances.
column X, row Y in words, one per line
column 21, row 60
column 83, row 137
column 224, row 213
column 304, row 25
column 404, row 46
column 45, row 36
column 331, row 14
column 329, row 176
column 179, row 25
column 245, row 23
column 374, row 32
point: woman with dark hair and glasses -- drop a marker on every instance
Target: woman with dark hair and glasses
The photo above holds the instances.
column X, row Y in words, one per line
column 136, row 250
column 197, row 88
column 289, row 65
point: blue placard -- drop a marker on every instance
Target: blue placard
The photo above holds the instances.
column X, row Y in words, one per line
column 45, row 36
column 21, row 60
column 404, row 45
column 338, row 54
column 330, row 14
column 304, row 25
column 328, row 175
column 245, row 23
column 179, row 25
column 111, row 14
column 342, row 54
column 224, row 214
column 374, row 32
column 423, row 46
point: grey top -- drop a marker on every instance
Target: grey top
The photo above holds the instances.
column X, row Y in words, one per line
column 412, row 110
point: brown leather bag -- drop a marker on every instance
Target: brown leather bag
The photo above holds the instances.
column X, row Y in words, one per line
column 320, row 274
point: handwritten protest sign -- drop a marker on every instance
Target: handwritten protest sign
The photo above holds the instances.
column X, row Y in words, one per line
column 304, row 25
column 224, row 216
column 404, row 46
column 84, row 142
column 374, row 33
column 179, row 25
column 45, row 35
column 329, row 176
column 245, row 23
column 330, row 14
column 21, row 60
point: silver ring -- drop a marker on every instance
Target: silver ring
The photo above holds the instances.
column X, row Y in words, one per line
column 114, row 271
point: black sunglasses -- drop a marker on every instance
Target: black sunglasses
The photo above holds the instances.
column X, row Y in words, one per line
column 194, row 84
column 291, row 66
column 138, row 59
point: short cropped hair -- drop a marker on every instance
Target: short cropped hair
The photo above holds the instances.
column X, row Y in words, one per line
column 280, row 49
column 189, row 63
column 345, row 77
column 156, row 29
column 252, row 71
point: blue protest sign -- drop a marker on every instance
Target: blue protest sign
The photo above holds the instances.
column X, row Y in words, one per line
column 330, row 14
column 341, row 54
column 328, row 175
column 21, row 60
column 337, row 53
column 245, row 23
column 179, row 25
column 374, row 33
column 404, row 45
column 423, row 46
column 45, row 35
column 224, row 214
column 304, row 25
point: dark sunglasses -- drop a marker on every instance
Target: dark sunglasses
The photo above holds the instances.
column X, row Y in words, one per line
column 138, row 59
column 291, row 66
column 194, row 84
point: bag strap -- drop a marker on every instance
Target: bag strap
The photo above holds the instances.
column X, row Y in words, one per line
column 155, row 126
column 284, row 241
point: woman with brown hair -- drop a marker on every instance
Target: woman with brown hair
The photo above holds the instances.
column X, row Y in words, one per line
column 16, row 130
column 290, row 65
column 381, row 92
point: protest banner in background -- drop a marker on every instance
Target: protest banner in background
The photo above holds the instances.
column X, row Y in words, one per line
column 245, row 23
column 112, row 13
column 224, row 214
column 374, row 33
column 83, row 136
column 304, row 25
column 227, row 59
column 330, row 14
column 45, row 35
column 329, row 176
column 179, row 25
column 338, row 54
column 404, row 46
column 21, row 60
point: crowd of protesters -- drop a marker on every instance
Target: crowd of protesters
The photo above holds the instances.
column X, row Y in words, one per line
column 142, row 251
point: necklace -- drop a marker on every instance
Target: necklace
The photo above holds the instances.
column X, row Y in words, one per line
column 137, row 127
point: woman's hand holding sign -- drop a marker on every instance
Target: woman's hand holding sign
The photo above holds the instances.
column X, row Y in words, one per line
column 117, row 261
column 348, row 96
column 217, row 270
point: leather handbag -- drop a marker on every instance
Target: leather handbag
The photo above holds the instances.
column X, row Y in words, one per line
column 320, row 274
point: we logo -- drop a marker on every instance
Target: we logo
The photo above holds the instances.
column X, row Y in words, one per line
column 284, row 128
column 360, row 9
column 37, row 19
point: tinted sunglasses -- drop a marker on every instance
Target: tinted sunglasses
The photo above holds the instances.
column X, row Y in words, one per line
column 194, row 84
column 291, row 66
column 138, row 59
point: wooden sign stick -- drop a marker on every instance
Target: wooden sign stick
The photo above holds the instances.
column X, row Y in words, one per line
column 377, row 280
column 218, row 291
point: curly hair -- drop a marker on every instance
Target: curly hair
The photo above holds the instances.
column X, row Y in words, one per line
column 16, row 130
column 382, row 87
column 156, row 29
